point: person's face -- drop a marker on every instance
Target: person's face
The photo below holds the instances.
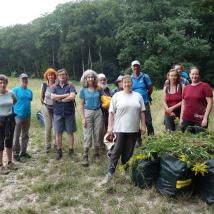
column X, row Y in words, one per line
column 173, row 76
column 51, row 77
column 102, row 82
column 127, row 84
column 178, row 68
column 120, row 85
column 194, row 75
column 136, row 69
column 90, row 80
column 62, row 77
column 24, row 82
column 3, row 85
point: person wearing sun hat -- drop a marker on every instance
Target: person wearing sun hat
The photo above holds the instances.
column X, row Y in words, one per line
column 118, row 83
column 22, row 109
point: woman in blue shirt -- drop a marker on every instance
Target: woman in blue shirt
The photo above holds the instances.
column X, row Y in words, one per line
column 91, row 114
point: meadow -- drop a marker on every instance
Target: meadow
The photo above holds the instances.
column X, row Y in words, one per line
column 44, row 185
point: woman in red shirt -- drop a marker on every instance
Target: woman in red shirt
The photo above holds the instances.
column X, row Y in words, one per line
column 197, row 102
column 172, row 97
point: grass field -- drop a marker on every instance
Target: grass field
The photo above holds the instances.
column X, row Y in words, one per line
column 44, row 185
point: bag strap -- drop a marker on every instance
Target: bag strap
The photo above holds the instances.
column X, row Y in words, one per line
column 44, row 88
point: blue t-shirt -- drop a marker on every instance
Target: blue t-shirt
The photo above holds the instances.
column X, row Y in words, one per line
column 91, row 99
column 22, row 107
column 138, row 85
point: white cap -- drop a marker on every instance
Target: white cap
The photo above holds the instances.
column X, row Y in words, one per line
column 135, row 62
column 101, row 76
column 23, row 75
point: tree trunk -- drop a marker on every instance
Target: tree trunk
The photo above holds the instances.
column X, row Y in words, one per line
column 53, row 57
column 101, row 58
column 83, row 68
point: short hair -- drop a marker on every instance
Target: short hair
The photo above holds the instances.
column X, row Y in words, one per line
column 50, row 71
column 85, row 74
column 182, row 67
column 4, row 78
column 194, row 67
column 127, row 76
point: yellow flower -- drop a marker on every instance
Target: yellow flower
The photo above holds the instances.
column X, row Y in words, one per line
column 183, row 158
column 134, row 158
column 200, row 168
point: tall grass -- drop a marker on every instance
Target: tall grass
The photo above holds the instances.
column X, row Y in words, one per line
column 44, row 185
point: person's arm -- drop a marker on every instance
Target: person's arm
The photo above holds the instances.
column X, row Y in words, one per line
column 110, row 122
column 143, row 123
column 164, row 99
column 58, row 97
column 150, row 89
column 42, row 94
column 207, row 112
column 70, row 97
column 82, row 112
column 182, row 111
column 14, row 98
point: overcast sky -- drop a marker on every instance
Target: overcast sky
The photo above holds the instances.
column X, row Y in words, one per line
column 24, row 11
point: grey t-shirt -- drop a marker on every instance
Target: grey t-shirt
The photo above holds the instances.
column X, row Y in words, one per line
column 6, row 103
column 127, row 109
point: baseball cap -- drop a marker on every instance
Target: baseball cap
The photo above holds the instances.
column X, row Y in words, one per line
column 135, row 62
column 23, row 75
column 119, row 79
column 101, row 76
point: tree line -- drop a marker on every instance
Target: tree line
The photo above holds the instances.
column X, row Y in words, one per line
column 106, row 35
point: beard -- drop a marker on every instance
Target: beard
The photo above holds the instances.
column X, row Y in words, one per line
column 104, row 86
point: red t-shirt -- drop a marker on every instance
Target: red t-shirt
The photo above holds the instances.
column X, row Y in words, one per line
column 173, row 99
column 195, row 101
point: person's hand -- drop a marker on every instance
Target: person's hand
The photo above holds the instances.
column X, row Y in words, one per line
column 172, row 114
column 181, row 121
column 143, row 130
column 84, row 124
column 204, row 122
column 169, row 110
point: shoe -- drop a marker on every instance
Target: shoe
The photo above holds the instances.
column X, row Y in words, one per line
column 58, row 154
column 4, row 171
column 85, row 162
column 25, row 155
column 16, row 157
column 11, row 166
column 108, row 178
column 48, row 148
column 71, row 153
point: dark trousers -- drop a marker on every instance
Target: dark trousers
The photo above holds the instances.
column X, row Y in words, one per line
column 124, row 147
column 148, row 119
column 169, row 122
column 187, row 123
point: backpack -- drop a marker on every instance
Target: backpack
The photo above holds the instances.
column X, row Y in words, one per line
column 40, row 118
column 44, row 88
column 179, row 88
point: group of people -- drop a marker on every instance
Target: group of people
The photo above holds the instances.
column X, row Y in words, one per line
column 123, row 113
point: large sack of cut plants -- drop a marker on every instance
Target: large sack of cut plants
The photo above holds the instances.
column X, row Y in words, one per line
column 206, row 183
column 144, row 173
column 175, row 176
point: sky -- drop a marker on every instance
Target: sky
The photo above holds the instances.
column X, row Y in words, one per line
column 24, row 11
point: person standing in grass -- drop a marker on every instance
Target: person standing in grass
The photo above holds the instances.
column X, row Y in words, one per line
column 126, row 111
column 197, row 102
column 172, row 97
column 119, row 85
column 47, row 105
column 91, row 113
column 22, row 109
column 7, row 125
column 63, row 95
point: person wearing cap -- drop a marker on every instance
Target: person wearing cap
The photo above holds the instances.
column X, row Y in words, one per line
column 63, row 95
column 142, row 84
column 118, row 83
column 7, row 125
column 22, row 109
column 47, row 105
column 105, row 100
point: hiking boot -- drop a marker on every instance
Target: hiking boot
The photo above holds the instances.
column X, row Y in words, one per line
column 71, row 154
column 48, row 148
column 96, row 153
column 16, row 157
column 58, row 154
column 108, row 178
column 25, row 155
column 11, row 166
column 4, row 171
column 85, row 161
